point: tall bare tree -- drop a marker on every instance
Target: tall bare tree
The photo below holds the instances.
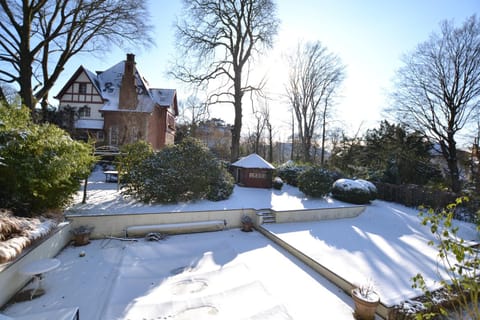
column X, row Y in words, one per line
column 38, row 37
column 315, row 76
column 438, row 88
column 217, row 40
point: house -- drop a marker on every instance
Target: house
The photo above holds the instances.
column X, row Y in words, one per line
column 117, row 106
column 253, row 171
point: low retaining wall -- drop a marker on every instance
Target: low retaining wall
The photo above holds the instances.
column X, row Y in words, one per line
column 116, row 225
column 318, row 214
column 11, row 281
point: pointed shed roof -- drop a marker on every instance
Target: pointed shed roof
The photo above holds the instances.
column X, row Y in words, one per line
column 253, row 161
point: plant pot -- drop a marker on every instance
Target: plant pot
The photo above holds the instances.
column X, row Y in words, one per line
column 247, row 226
column 365, row 308
column 81, row 239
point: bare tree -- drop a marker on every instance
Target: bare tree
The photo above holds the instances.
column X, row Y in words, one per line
column 438, row 88
column 217, row 41
column 38, row 37
column 192, row 112
column 315, row 76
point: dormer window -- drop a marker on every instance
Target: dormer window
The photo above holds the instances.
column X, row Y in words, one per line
column 82, row 88
column 84, row 112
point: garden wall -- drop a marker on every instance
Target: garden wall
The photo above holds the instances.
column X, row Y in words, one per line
column 116, row 225
column 318, row 214
column 11, row 281
column 413, row 195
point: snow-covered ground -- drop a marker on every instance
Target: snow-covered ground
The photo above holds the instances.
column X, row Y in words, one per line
column 235, row 275
column 104, row 198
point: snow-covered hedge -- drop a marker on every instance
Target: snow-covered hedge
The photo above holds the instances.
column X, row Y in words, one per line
column 316, row 181
column 289, row 173
column 354, row 191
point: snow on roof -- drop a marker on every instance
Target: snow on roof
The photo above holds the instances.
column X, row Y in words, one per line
column 89, row 124
column 164, row 97
column 253, row 161
column 108, row 84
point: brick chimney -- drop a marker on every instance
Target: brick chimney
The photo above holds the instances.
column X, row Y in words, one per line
column 128, row 92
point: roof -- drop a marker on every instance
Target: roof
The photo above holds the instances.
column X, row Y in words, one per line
column 108, row 82
column 253, row 161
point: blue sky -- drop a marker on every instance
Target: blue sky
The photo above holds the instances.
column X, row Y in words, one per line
column 369, row 36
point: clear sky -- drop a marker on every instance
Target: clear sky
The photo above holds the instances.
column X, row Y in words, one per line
column 369, row 36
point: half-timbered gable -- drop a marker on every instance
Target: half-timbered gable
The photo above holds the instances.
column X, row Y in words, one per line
column 119, row 106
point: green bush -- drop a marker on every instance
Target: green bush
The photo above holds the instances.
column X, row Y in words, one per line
column 40, row 165
column 222, row 187
column 182, row 172
column 316, row 181
column 354, row 191
column 131, row 156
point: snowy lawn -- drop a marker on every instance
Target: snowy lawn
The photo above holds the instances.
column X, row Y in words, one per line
column 386, row 244
column 215, row 275
column 103, row 198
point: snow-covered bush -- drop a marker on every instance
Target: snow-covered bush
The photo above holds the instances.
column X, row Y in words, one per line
column 41, row 165
column 277, row 183
column 182, row 172
column 316, row 181
column 222, row 187
column 289, row 173
column 354, row 191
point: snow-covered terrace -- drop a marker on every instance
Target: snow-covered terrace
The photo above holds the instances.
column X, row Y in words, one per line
column 235, row 275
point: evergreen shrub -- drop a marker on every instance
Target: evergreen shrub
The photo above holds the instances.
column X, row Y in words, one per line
column 354, row 191
column 277, row 183
column 131, row 156
column 316, row 181
column 290, row 173
column 40, row 165
column 182, row 172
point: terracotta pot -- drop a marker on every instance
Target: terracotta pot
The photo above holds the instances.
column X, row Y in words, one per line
column 365, row 308
column 247, row 226
column 81, row 239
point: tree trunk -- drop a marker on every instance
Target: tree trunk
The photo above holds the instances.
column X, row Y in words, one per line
column 293, row 136
column 25, row 72
column 270, row 143
column 450, row 154
column 237, row 125
column 3, row 98
column 324, row 120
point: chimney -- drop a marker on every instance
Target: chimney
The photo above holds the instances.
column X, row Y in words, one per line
column 128, row 91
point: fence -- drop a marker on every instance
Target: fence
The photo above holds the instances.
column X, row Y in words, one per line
column 413, row 195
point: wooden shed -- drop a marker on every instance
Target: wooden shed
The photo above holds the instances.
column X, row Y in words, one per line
column 253, row 171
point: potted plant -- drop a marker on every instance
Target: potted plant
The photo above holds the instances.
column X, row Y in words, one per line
column 81, row 235
column 366, row 301
column 247, row 223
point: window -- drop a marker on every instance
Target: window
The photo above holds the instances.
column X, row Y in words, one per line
column 84, row 112
column 257, row 175
column 82, row 88
column 170, row 121
column 114, row 135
